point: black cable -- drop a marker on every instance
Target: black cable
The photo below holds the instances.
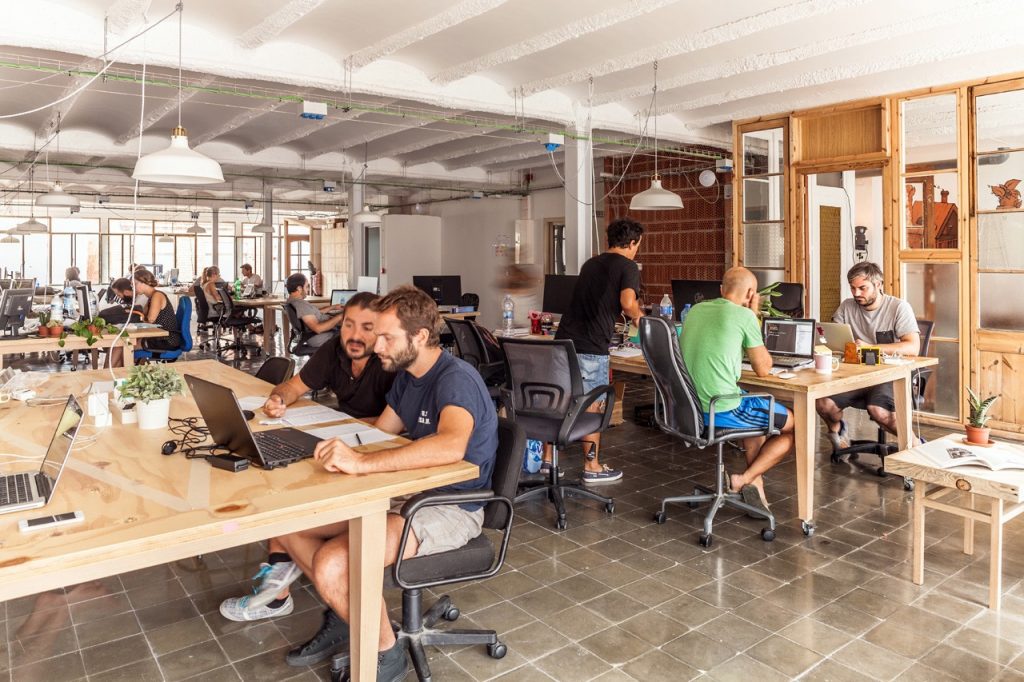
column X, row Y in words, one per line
column 191, row 436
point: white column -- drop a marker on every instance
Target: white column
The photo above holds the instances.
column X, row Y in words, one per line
column 215, row 234
column 579, row 195
column 268, row 238
column 355, row 234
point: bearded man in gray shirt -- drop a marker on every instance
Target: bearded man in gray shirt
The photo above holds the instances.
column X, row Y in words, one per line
column 876, row 319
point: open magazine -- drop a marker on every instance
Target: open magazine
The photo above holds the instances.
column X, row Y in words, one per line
column 950, row 452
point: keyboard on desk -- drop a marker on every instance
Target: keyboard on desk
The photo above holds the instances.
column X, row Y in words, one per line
column 278, row 448
column 791, row 361
column 15, row 488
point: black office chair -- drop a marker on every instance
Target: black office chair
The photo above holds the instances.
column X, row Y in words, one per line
column 544, row 395
column 276, row 370
column 299, row 334
column 472, row 348
column 205, row 324
column 236, row 325
column 677, row 411
column 470, row 299
column 474, row 561
column 791, row 299
column 880, row 447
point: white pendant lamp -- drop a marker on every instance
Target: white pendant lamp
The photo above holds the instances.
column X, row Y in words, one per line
column 656, row 198
column 57, row 198
column 263, row 227
column 31, row 226
column 178, row 164
column 366, row 216
column 195, row 228
column 166, row 239
column 9, row 238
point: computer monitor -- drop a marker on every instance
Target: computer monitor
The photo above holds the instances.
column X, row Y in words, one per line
column 172, row 276
column 693, row 291
column 82, row 296
column 14, row 305
column 368, row 284
column 155, row 268
column 788, row 337
column 558, row 293
column 444, row 289
column 341, row 296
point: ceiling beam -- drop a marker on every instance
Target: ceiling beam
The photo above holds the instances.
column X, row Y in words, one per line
column 358, row 142
column 716, row 35
column 153, row 116
column 271, row 26
column 237, row 122
column 518, row 152
column 441, row 137
column 550, row 39
column 453, row 16
column 60, row 111
column 479, row 145
column 306, row 129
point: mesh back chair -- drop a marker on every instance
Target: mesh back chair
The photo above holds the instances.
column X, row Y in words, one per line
column 544, row 395
column 471, row 347
column 204, row 323
column 791, row 299
column 470, row 299
column 880, row 447
column 237, row 325
column 184, row 317
column 300, row 335
column 276, row 370
column 476, row 560
column 677, row 411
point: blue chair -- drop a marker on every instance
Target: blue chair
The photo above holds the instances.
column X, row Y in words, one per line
column 184, row 317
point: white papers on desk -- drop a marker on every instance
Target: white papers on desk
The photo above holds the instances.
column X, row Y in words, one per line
column 139, row 326
column 625, row 352
column 252, row 402
column 313, row 414
column 352, row 435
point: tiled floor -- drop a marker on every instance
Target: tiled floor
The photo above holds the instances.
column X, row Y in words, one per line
column 611, row 598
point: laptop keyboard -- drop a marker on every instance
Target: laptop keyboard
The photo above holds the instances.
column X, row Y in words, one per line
column 15, row 488
column 277, row 449
column 789, row 361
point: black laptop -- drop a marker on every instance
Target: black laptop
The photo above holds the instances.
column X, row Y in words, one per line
column 790, row 342
column 228, row 428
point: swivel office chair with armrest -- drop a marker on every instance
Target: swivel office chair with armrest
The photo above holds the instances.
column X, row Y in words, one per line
column 276, row 370
column 677, row 411
column 299, row 334
column 880, row 447
column 475, row 560
column 544, row 395
column 472, row 348
column 205, row 324
column 184, row 317
column 237, row 325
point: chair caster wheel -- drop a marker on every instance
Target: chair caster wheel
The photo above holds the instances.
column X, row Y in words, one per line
column 880, row 472
column 767, row 534
column 807, row 527
column 908, row 484
column 704, row 540
column 609, row 507
column 561, row 524
column 452, row 614
column 659, row 517
column 836, row 459
column 497, row 650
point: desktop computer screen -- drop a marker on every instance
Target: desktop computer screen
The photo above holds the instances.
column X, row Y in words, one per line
column 82, row 296
column 368, row 284
column 558, row 293
column 693, row 291
column 14, row 305
column 444, row 289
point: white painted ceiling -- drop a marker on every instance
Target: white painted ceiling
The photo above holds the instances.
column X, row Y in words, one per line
column 453, row 95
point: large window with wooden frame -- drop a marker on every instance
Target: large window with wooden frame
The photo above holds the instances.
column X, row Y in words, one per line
column 761, row 184
column 45, row 257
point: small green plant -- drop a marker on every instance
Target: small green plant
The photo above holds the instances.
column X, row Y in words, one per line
column 153, row 381
column 767, row 294
column 91, row 330
column 979, row 417
column 44, row 318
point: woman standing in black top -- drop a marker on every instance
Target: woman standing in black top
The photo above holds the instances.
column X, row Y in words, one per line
column 158, row 311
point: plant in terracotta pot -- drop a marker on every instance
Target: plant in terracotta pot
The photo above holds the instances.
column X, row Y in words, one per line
column 977, row 420
column 91, row 330
column 44, row 321
column 152, row 386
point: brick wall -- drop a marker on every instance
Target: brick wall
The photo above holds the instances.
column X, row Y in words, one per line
column 694, row 243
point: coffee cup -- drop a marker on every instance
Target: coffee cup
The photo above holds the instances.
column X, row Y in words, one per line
column 825, row 363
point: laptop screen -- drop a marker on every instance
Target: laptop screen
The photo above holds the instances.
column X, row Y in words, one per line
column 341, row 296
column 63, row 439
column 789, row 337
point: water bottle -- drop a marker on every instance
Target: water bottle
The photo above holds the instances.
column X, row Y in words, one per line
column 534, row 456
column 665, row 308
column 238, row 288
column 508, row 311
column 682, row 315
column 70, row 303
column 56, row 308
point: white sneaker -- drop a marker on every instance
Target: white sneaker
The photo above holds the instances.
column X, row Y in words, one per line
column 241, row 609
column 273, row 578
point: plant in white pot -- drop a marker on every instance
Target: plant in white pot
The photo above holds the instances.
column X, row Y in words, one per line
column 152, row 386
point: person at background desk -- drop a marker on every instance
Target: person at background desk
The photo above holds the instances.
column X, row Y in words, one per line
column 323, row 322
column 158, row 310
column 607, row 286
column 876, row 319
column 72, row 277
column 212, row 277
column 715, row 335
column 248, row 277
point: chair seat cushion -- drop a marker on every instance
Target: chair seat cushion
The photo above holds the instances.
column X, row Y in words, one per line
column 734, row 434
column 544, row 429
column 473, row 558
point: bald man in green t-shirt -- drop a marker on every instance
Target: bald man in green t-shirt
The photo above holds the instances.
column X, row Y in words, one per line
column 715, row 336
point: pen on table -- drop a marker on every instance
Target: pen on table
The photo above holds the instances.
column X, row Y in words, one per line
column 359, row 440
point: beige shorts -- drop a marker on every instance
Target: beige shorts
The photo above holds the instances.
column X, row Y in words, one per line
column 445, row 527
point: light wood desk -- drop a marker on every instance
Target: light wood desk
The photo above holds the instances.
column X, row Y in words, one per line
column 143, row 509
column 48, row 344
column 461, row 316
column 941, row 488
column 802, row 391
column 270, row 304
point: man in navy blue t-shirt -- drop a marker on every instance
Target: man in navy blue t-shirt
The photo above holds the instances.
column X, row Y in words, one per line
column 442, row 404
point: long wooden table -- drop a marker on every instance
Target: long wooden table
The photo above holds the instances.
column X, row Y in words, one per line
column 269, row 305
column 143, row 509
column 47, row 344
column 802, row 391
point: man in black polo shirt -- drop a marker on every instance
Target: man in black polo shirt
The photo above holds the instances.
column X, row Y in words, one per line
column 354, row 372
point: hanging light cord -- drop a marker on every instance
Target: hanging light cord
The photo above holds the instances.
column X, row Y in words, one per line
column 180, row 9
column 655, row 99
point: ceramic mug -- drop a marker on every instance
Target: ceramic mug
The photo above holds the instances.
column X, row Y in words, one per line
column 825, row 363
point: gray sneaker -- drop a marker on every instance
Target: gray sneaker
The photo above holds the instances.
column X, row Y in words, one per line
column 238, row 609
column 841, row 440
column 273, row 578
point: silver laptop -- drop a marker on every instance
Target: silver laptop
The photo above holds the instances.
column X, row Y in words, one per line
column 837, row 335
column 28, row 490
column 790, row 342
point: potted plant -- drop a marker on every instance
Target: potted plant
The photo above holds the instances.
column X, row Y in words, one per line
column 151, row 386
column 91, row 330
column 44, row 322
column 977, row 421
column 767, row 294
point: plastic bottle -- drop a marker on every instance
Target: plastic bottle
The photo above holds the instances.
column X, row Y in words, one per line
column 56, row 308
column 238, row 288
column 682, row 315
column 508, row 311
column 70, row 304
column 665, row 308
column 534, row 456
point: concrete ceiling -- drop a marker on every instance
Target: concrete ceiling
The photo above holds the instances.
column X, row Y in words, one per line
column 452, row 94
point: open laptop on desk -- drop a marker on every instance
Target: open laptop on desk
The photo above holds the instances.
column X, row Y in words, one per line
column 228, row 428
column 790, row 342
column 29, row 491
column 341, row 296
column 837, row 335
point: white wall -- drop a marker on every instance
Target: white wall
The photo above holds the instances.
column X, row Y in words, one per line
column 410, row 245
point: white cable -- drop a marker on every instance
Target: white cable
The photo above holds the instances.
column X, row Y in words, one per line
column 34, row 458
